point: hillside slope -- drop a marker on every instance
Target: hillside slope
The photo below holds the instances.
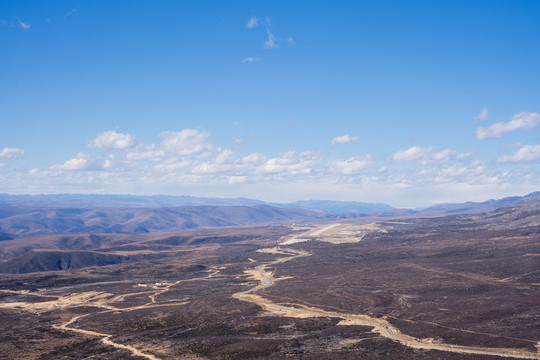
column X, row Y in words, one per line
column 48, row 260
column 31, row 221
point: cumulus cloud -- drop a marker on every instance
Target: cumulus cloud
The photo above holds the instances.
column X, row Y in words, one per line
column 185, row 142
column 523, row 120
column 236, row 179
column 482, row 115
column 145, row 152
column 252, row 23
column 271, row 41
column 250, row 60
column 223, row 156
column 526, row 153
column 352, row 165
column 291, row 163
column 111, row 140
column 186, row 162
column 429, row 155
column 11, row 153
column 81, row 162
column 253, row 159
column 343, row 139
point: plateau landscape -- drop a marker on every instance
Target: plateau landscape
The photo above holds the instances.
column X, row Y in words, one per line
column 246, row 284
column 249, row 180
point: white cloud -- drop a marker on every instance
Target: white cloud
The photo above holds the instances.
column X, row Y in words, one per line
column 186, row 162
column 81, row 162
column 525, row 154
column 252, row 23
column 168, row 167
column 482, row 115
column 291, row 163
column 352, row 165
column 343, row 139
column 250, row 60
column 429, row 155
column 185, row 142
column 24, row 26
column 223, row 156
column 11, row 153
column 291, row 41
column 523, row 120
column 271, row 42
column 236, row 180
column 213, row 168
column 253, row 159
column 145, row 152
column 111, row 140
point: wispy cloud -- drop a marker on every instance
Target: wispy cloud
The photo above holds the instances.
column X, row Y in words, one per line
column 343, row 139
column 523, row 120
column 250, row 60
column 350, row 166
column 11, row 153
column 271, row 41
column 252, row 23
column 71, row 13
column 23, row 25
column 526, row 153
column 291, row 41
column 482, row 115
column 424, row 156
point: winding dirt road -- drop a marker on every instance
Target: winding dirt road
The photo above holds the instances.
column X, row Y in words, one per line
column 105, row 338
column 380, row 326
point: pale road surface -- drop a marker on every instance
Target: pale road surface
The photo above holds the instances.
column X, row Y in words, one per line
column 105, row 338
column 381, row 326
column 324, row 229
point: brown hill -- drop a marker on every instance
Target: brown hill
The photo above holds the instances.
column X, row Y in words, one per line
column 47, row 260
column 18, row 221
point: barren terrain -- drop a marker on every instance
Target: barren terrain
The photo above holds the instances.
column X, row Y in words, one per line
column 461, row 287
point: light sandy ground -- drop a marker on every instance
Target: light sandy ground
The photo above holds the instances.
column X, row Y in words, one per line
column 319, row 231
column 335, row 233
column 294, row 241
column 61, row 302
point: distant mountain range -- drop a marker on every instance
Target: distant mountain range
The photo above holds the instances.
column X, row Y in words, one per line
column 27, row 215
column 156, row 201
column 25, row 221
column 73, row 251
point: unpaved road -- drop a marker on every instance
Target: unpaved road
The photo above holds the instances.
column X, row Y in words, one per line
column 105, row 338
column 380, row 326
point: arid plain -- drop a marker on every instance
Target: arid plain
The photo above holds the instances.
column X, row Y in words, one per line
column 453, row 287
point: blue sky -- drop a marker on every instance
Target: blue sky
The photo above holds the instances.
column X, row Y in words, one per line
column 404, row 102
